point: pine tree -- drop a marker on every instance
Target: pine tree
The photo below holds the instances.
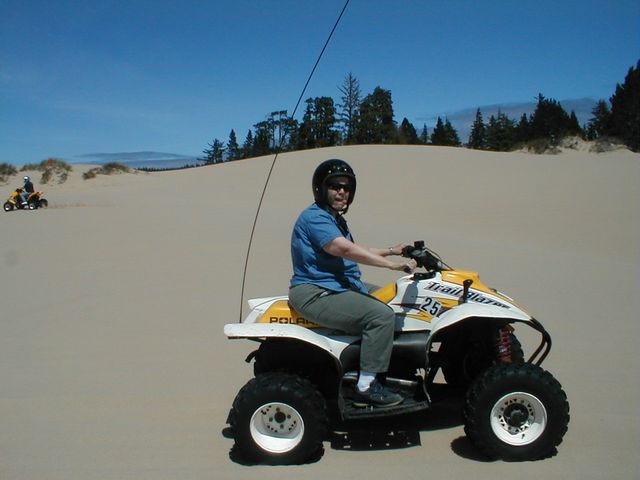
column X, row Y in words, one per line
column 304, row 138
column 262, row 140
column 444, row 134
column 290, row 128
column 501, row 133
column 247, row 146
column 376, row 124
column 452, row 134
column 349, row 108
column 573, row 126
column 233, row 149
column 523, row 129
column 625, row 109
column 325, row 120
column 439, row 136
column 318, row 124
column 407, row 133
column 276, row 129
column 282, row 129
column 424, row 135
column 600, row 123
column 478, row 135
column 215, row 152
column 550, row 120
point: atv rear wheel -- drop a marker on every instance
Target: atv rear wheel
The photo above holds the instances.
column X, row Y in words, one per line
column 516, row 412
column 279, row 418
column 44, row 203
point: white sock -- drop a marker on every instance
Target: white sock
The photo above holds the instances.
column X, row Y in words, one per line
column 365, row 379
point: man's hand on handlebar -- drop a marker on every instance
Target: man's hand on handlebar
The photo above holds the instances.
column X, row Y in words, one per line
column 407, row 266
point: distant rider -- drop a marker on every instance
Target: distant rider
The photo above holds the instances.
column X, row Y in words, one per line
column 27, row 190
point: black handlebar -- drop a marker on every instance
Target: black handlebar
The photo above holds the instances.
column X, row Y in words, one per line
column 423, row 256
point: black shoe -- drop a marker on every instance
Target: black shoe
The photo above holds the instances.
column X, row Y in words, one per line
column 377, row 394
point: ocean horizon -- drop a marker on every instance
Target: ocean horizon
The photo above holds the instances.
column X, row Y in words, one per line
column 140, row 160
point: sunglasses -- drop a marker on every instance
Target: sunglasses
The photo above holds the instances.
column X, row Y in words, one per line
column 336, row 186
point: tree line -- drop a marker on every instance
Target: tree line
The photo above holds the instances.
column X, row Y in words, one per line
column 357, row 120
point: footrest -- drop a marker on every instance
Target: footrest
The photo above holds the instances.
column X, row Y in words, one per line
column 350, row 411
column 411, row 390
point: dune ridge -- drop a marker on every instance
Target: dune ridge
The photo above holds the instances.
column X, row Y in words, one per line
column 113, row 363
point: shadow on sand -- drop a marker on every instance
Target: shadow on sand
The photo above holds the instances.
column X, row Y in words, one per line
column 402, row 431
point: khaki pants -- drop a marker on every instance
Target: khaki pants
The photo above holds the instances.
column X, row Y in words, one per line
column 353, row 313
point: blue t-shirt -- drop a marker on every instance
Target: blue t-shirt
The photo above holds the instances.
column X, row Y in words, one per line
column 314, row 229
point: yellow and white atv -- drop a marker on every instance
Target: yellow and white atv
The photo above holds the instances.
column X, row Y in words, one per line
column 446, row 320
column 34, row 201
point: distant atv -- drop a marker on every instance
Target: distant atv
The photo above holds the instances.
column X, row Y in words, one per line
column 34, row 201
column 446, row 320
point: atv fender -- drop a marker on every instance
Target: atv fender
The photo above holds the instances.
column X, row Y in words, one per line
column 257, row 331
column 474, row 310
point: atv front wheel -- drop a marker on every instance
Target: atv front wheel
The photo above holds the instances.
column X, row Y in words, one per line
column 279, row 418
column 516, row 412
column 8, row 206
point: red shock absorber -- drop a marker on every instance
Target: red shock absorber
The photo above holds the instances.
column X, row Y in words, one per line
column 503, row 346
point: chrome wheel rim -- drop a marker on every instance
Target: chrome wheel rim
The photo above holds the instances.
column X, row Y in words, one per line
column 277, row 427
column 518, row 418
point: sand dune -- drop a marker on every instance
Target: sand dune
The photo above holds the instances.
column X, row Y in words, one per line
column 113, row 363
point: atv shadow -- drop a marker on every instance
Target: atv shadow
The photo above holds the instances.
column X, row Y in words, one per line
column 463, row 447
column 402, row 431
column 236, row 456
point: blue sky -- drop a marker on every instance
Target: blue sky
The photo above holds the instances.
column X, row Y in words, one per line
column 79, row 77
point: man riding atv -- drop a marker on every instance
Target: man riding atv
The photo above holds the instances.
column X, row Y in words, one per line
column 25, row 198
column 321, row 348
column 326, row 287
column 27, row 189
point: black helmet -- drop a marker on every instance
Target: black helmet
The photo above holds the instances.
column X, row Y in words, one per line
column 329, row 169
